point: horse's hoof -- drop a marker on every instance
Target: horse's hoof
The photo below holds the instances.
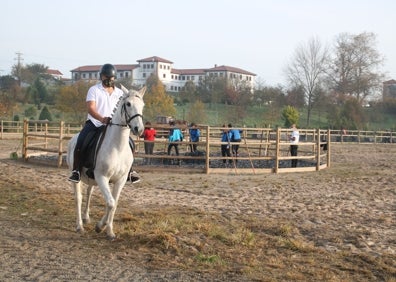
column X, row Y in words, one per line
column 80, row 230
column 111, row 237
column 99, row 229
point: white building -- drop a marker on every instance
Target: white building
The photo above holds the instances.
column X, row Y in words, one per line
column 173, row 79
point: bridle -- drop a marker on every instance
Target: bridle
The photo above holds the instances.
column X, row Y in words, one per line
column 128, row 118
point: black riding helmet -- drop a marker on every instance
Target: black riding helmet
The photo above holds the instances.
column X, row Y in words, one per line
column 108, row 71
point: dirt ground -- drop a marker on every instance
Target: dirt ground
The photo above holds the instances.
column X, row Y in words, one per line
column 349, row 207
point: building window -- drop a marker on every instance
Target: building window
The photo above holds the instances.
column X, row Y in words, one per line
column 84, row 75
column 188, row 77
column 121, row 74
column 192, row 77
column 152, row 66
column 160, row 66
column 126, row 74
column 164, row 76
column 144, row 74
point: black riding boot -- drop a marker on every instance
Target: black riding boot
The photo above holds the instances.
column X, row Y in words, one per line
column 75, row 176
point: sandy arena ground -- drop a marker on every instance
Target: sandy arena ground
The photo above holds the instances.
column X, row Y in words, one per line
column 354, row 201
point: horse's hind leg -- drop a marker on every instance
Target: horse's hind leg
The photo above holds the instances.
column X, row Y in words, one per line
column 78, row 202
column 85, row 216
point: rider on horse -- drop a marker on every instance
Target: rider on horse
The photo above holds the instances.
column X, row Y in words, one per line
column 101, row 100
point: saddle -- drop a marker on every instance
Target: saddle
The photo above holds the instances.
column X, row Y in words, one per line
column 91, row 147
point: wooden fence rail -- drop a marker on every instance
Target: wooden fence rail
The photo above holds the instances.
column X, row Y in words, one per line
column 261, row 150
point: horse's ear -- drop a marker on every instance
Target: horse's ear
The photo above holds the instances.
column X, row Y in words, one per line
column 126, row 91
column 142, row 91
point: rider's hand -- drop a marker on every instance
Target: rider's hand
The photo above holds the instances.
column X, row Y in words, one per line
column 106, row 120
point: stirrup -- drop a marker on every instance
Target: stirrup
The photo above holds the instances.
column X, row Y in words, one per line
column 134, row 177
column 75, row 177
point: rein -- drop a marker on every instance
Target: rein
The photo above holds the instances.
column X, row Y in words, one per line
column 127, row 118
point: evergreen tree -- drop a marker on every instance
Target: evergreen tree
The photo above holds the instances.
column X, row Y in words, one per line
column 45, row 114
column 290, row 116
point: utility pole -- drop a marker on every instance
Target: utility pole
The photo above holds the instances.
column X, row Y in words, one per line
column 19, row 66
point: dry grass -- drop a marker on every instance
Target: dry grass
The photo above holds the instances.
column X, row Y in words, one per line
column 212, row 228
column 192, row 240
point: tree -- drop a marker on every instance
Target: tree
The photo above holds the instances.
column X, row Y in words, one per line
column 45, row 114
column 188, row 93
column 354, row 69
column 31, row 112
column 9, row 91
column 29, row 73
column 290, row 116
column 71, row 100
column 157, row 102
column 212, row 90
column 307, row 70
column 296, row 97
column 38, row 92
column 350, row 115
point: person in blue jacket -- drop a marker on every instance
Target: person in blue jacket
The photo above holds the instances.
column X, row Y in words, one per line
column 225, row 146
column 194, row 137
column 235, row 136
column 175, row 136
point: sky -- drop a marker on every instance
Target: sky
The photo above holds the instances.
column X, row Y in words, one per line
column 259, row 36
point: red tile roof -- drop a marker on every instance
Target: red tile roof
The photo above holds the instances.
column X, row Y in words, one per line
column 54, row 72
column 229, row 69
column 155, row 59
column 97, row 68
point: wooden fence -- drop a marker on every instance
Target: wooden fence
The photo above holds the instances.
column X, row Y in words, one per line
column 262, row 150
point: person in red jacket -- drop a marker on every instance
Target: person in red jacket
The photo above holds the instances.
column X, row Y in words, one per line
column 149, row 134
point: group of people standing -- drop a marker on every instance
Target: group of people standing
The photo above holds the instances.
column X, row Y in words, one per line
column 230, row 135
column 175, row 136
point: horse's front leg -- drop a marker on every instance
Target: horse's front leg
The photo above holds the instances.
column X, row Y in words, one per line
column 116, row 195
column 78, row 202
column 85, row 217
column 104, row 186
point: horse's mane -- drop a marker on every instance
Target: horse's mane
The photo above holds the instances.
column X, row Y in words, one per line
column 122, row 97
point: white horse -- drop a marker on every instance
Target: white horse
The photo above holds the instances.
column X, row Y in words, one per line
column 113, row 161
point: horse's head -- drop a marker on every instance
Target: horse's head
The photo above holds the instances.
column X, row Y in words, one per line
column 133, row 105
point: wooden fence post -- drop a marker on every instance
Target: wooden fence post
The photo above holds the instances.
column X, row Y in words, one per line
column 25, row 139
column 61, row 129
column 328, row 147
column 207, row 160
column 277, row 149
column 318, row 149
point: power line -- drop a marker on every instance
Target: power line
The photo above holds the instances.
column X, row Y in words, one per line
column 19, row 65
